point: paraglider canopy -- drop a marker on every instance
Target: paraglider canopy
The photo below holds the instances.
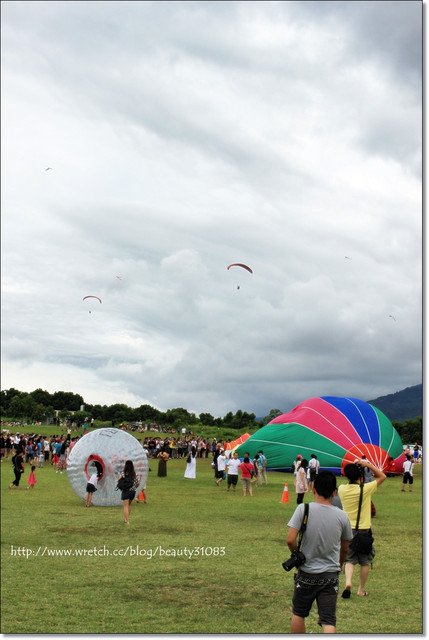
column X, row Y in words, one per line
column 96, row 297
column 238, row 264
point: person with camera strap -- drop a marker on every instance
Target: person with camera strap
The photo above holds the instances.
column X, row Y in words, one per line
column 356, row 498
column 325, row 543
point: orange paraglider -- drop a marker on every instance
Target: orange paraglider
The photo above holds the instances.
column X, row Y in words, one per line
column 96, row 297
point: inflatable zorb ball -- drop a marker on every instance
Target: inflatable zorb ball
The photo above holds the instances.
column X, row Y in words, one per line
column 106, row 450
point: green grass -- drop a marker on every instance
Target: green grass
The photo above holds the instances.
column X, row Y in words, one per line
column 237, row 586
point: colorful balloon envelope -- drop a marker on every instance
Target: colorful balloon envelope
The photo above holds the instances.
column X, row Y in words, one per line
column 337, row 430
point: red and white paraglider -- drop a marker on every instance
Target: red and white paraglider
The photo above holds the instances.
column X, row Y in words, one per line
column 242, row 266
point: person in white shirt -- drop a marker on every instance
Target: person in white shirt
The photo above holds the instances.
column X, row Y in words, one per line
column 221, row 463
column 91, row 487
column 313, row 467
column 408, row 474
column 233, row 464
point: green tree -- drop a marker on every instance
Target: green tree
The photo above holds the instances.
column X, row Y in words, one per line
column 274, row 413
column 119, row 413
column 180, row 417
column 17, row 408
column 41, row 397
column 67, row 400
column 207, row 419
column 6, row 398
column 411, row 430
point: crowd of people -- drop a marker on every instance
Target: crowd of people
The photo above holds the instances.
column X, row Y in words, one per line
column 332, row 539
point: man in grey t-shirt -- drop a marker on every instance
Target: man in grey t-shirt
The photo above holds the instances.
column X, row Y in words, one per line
column 325, row 543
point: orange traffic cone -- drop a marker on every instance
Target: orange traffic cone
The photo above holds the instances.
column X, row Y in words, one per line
column 142, row 497
column 285, row 496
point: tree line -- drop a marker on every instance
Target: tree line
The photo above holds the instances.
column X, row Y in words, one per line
column 40, row 406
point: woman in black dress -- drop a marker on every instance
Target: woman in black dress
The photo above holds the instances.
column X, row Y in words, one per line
column 128, row 492
column 18, row 469
column 162, row 464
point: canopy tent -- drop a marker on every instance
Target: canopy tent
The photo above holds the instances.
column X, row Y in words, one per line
column 336, row 430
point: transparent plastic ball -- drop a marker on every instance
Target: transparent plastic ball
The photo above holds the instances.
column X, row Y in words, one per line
column 105, row 450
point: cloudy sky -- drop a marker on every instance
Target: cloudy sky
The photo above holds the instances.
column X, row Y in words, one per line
column 148, row 145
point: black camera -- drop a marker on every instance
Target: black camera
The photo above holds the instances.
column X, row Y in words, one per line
column 296, row 559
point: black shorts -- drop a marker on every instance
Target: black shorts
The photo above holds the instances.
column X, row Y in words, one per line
column 322, row 587
column 220, row 474
column 128, row 494
column 90, row 488
column 313, row 474
column 232, row 479
column 407, row 477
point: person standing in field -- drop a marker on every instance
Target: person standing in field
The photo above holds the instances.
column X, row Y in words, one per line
column 233, row 464
column 407, row 478
column 191, row 464
column 350, row 495
column 246, row 468
column 325, row 542
column 91, row 487
column 221, row 464
column 262, row 471
column 301, row 486
column 255, row 469
column 313, row 467
column 162, row 464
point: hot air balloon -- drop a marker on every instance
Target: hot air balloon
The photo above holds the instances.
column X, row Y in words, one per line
column 337, row 430
column 107, row 451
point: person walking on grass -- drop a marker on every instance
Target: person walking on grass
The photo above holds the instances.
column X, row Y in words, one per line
column 407, row 478
column 32, row 478
column 18, row 468
column 325, row 542
column 350, row 495
column 128, row 488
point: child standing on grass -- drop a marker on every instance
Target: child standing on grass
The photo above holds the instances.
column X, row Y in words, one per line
column 32, row 478
column 91, row 487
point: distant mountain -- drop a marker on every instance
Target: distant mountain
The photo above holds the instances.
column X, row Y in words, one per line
column 402, row 405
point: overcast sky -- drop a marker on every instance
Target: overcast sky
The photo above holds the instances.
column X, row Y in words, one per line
column 181, row 137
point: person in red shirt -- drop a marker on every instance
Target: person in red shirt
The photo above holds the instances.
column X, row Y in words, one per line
column 246, row 468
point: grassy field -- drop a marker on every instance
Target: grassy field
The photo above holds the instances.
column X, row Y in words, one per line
column 137, row 578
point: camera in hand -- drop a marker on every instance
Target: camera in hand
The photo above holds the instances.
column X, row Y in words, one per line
column 296, row 559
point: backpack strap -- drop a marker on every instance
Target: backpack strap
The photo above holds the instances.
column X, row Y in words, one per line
column 359, row 507
column 304, row 524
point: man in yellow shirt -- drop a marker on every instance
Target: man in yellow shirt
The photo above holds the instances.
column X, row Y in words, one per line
column 350, row 494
